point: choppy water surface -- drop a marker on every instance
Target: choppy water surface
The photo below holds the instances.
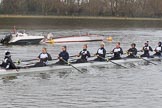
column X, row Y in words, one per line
column 139, row 87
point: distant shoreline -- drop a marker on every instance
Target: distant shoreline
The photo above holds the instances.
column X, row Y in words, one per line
column 81, row 17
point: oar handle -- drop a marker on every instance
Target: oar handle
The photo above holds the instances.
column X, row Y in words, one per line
column 71, row 65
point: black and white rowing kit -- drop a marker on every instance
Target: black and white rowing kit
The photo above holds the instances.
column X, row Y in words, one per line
column 84, row 54
column 117, row 53
column 44, row 58
column 101, row 52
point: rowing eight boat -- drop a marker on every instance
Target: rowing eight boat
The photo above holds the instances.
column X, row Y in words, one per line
column 54, row 68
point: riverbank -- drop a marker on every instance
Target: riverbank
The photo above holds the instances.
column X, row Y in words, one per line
column 74, row 22
column 81, row 17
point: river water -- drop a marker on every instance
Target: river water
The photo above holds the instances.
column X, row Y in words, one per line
column 139, row 87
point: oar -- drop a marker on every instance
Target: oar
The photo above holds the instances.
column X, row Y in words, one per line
column 146, row 60
column 19, row 61
column 72, row 66
column 108, row 60
column 109, row 53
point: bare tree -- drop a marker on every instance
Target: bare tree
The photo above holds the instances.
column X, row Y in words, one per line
column 126, row 8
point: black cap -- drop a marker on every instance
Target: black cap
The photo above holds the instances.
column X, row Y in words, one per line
column 7, row 54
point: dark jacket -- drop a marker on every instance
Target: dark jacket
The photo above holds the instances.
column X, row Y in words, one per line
column 132, row 53
column 8, row 63
column 65, row 56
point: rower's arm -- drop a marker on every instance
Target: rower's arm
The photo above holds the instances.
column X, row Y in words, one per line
column 96, row 53
column 39, row 56
column 112, row 51
column 135, row 53
column 59, row 56
column 150, row 48
column 12, row 64
column 121, row 51
column 79, row 54
column 67, row 56
column 104, row 52
column 49, row 57
column 88, row 54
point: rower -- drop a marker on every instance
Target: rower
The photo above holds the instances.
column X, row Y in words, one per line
column 7, row 62
column 146, row 50
column 101, row 53
column 117, row 51
column 43, row 57
column 132, row 52
column 158, row 49
column 63, row 56
column 84, row 54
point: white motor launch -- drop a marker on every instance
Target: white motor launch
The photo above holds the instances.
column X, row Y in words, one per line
column 21, row 38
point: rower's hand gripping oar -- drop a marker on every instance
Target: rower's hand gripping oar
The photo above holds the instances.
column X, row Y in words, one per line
column 128, row 53
column 72, row 66
column 146, row 60
column 108, row 60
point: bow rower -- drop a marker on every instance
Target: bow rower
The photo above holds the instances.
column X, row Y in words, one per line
column 7, row 63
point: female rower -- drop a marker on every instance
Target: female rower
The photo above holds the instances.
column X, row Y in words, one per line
column 7, row 62
column 146, row 50
column 117, row 51
column 101, row 53
column 63, row 56
column 84, row 54
column 158, row 50
column 132, row 52
column 43, row 57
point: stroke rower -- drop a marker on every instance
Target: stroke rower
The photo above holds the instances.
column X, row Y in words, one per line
column 132, row 52
column 7, row 63
column 158, row 50
column 101, row 53
column 146, row 49
column 117, row 51
column 84, row 54
column 43, row 57
column 63, row 56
